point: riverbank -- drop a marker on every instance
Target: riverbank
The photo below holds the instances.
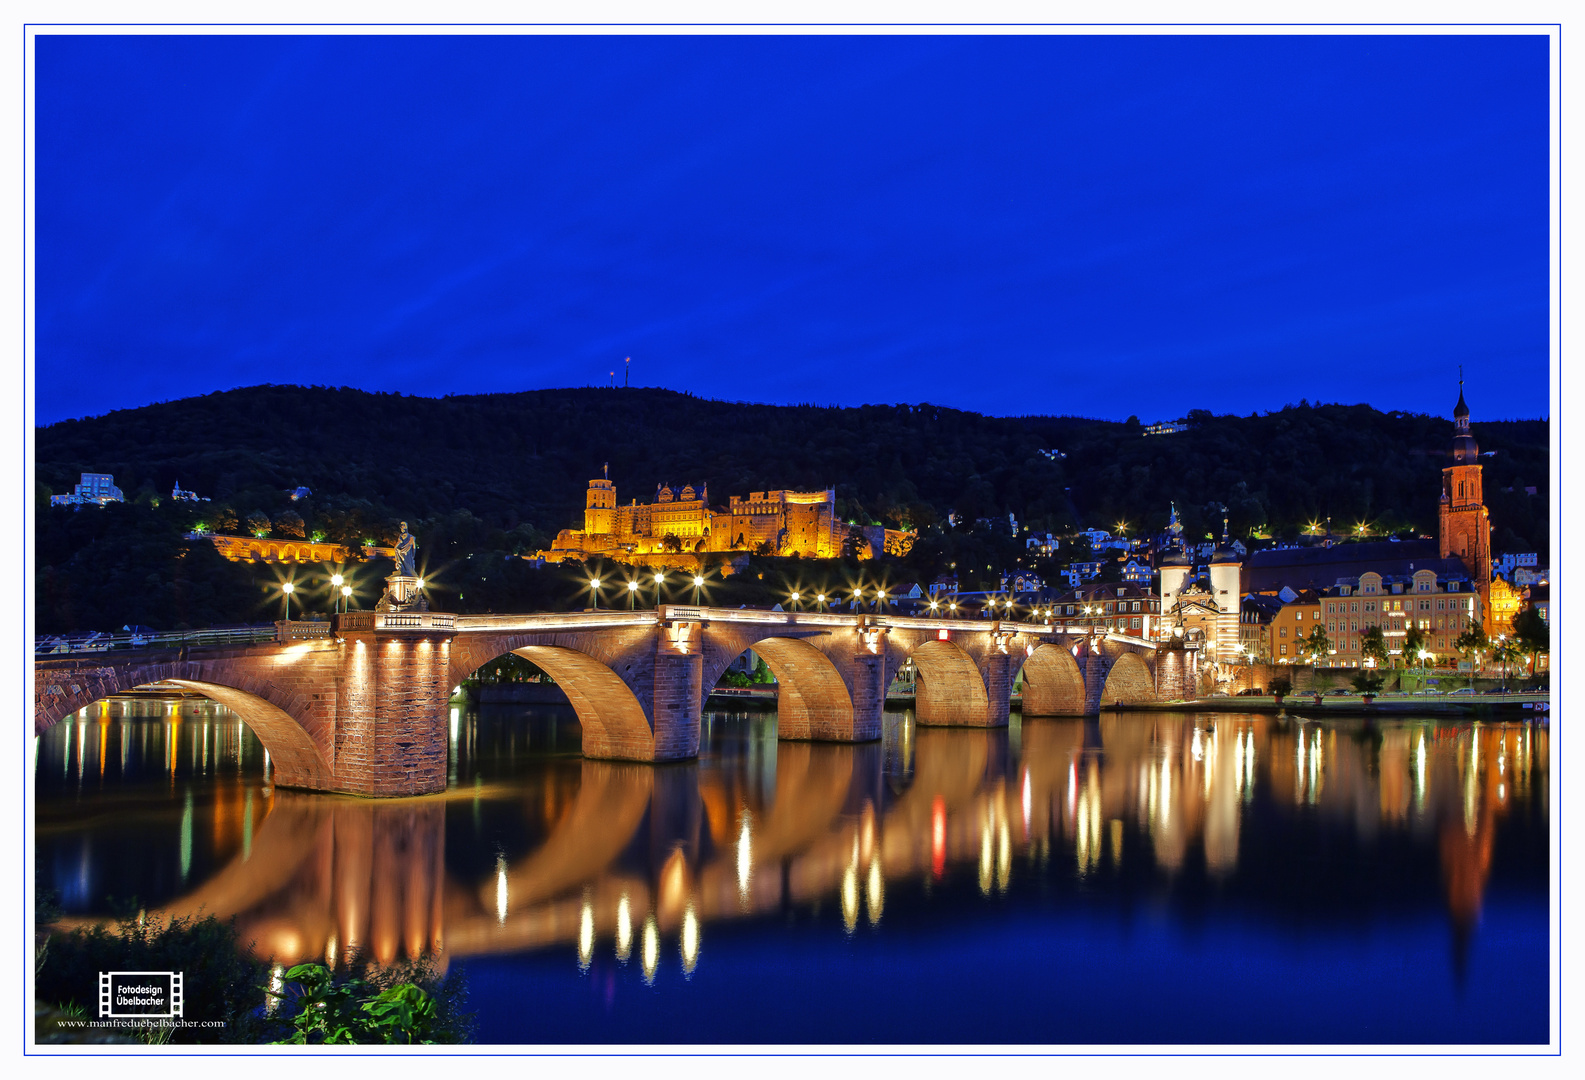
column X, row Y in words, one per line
column 1307, row 706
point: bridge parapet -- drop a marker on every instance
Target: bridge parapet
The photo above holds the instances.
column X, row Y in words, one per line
column 364, row 622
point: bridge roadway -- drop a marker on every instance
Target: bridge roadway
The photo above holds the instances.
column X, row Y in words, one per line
column 359, row 706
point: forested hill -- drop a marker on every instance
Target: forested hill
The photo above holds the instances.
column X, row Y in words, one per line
column 521, row 461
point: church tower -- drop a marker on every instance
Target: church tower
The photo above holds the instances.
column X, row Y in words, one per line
column 1464, row 526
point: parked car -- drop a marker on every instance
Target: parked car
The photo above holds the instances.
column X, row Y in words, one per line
column 1461, row 690
column 1253, row 691
column 1338, row 691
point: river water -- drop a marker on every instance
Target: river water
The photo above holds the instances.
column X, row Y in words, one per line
column 1155, row 878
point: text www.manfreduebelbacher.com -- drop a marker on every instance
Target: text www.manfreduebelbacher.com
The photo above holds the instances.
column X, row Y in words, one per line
column 132, row 1022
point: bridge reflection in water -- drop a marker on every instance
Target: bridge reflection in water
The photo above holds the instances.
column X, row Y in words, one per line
column 641, row 859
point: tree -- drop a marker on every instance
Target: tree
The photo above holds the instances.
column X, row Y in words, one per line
column 1472, row 642
column 1532, row 634
column 1413, row 642
column 1373, row 644
column 671, row 542
column 1505, row 651
column 223, row 520
column 1317, row 646
column 289, row 523
column 257, row 523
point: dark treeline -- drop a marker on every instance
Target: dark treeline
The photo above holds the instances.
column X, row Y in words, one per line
column 490, row 476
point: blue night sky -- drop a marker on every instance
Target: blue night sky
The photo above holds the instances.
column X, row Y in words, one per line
column 1101, row 226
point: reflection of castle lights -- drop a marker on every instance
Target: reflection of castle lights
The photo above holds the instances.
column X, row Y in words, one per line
column 1248, row 786
column 624, row 929
column 850, row 897
column 875, row 893
column 985, row 857
column 1419, row 775
column 456, row 715
column 585, row 935
column 1004, row 856
column 331, row 949
column 500, row 888
column 938, row 836
column 1028, row 804
column 651, row 953
column 1117, row 841
column 690, row 941
column 745, row 855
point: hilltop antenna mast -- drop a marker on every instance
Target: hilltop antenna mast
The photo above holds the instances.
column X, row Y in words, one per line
column 628, row 364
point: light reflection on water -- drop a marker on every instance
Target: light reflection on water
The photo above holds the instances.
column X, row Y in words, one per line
column 167, row 805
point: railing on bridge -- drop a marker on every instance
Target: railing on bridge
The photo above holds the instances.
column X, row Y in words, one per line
column 78, row 644
column 366, row 621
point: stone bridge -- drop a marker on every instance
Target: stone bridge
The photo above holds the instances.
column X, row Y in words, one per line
column 361, row 707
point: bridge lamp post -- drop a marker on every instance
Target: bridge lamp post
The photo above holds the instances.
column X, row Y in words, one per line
column 335, row 583
column 698, row 583
column 659, row 577
column 821, row 600
column 858, row 599
column 346, row 596
column 594, row 592
column 632, row 595
column 880, row 599
column 952, row 608
column 792, row 598
column 286, row 600
column 935, row 605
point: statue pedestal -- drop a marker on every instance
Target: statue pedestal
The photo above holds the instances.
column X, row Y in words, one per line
column 402, row 594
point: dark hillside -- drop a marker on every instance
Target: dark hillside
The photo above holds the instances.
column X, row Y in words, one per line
column 497, row 474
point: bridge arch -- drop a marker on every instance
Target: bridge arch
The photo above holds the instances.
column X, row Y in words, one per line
column 812, row 699
column 295, row 758
column 949, row 689
column 1053, row 683
column 1128, row 682
column 613, row 721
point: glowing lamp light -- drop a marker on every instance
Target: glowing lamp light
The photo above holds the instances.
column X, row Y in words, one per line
column 697, row 581
column 594, row 583
column 632, row 586
column 659, row 578
column 420, row 583
column 346, row 590
column 288, row 588
column 336, row 579
column 821, row 598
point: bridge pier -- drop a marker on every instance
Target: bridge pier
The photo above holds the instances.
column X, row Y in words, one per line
column 391, row 695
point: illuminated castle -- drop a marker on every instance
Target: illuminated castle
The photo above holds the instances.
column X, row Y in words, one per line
column 767, row 522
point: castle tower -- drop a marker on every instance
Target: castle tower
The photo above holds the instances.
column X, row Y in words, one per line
column 1226, row 571
column 1464, row 525
column 1174, row 568
column 599, row 508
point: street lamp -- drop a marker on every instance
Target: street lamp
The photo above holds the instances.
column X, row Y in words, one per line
column 286, row 600
column 858, row 599
column 698, row 583
column 660, row 576
column 792, row 598
column 632, row 595
column 346, row 596
column 880, row 598
column 335, row 582
column 594, row 592
column 821, row 599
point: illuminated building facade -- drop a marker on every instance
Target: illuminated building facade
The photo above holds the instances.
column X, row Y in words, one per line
column 802, row 523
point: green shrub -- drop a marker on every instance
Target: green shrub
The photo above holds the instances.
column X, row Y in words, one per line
column 220, row 981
